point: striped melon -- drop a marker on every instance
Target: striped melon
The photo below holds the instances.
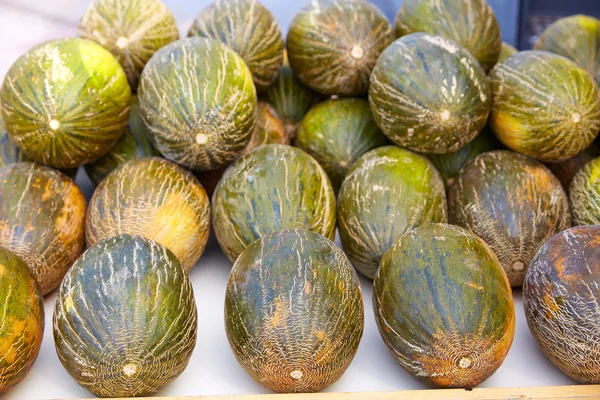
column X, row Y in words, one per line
column 198, row 101
column 248, row 28
column 125, row 320
column 333, row 45
column 65, row 103
column 506, row 52
column 294, row 311
column 131, row 30
column 429, row 94
column 584, row 195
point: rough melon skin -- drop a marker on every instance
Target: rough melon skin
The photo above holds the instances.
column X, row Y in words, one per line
column 131, row 30
column 248, row 28
column 576, row 37
column 560, row 299
column 21, row 321
column 470, row 23
column 565, row 170
column 513, row 203
column 429, row 94
column 336, row 133
column 154, row 198
column 294, row 311
column 333, row 45
column 275, row 187
column 198, row 101
column 584, row 195
column 387, row 192
column 42, row 213
column 444, row 306
column 65, row 103
column 545, row 106
column 125, row 319
column 506, row 52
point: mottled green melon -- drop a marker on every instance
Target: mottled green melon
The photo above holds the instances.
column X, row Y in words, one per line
column 274, row 187
column 506, row 52
column 198, row 101
column 131, row 30
column 545, row 106
column 576, row 37
column 65, row 102
column 565, row 170
column 133, row 144
column 269, row 128
column 125, row 319
column 21, row 320
column 561, row 302
column 42, row 213
column 248, row 28
column 336, row 133
column 429, row 94
column 333, row 45
column 154, row 198
column 470, row 23
column 294, row 311
column 584, row 195
column 387, row 192
column 513, row 203
column 444, row 307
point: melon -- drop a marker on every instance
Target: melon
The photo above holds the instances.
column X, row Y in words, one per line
column 65, row 103
column 560, row 299
column 9, row 152
column 565, row 170
column 21, row 321
column 125, row 319
column 545, row 106
column 429, row 94
column 444, row 306
column 154, row 198
column 294, row 313
column 248, row 28
column 42, row 213
column 269, row 128
column 198, row 101
column 272, row 188
column 336, row 133
column 506, row 52
column 584, row 195
column 131, row 30
column 387, row 192
column 513, row 203
column 333, row 45
column 470, row 23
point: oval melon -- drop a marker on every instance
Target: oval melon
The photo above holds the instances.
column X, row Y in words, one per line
column 444, row 306
column 294, row 311
column 65, row 103
column 560, row 298
column 429, row 94
column 584, row 195
column 387, row 192
column 125, row 320
column 513, row 203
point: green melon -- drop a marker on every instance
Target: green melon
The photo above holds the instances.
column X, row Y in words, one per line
column 294, row 311
column 21, row 320
column 333, row 45
column 133, row 144
column 506, row 52
column 154, row 198
column 65, row 102
column 576, row 37
column 387, row 192
column 513, row 203
column 545, row 106
column 248, row 28
column 42, row 213
column 125, row 320
column 131, row 30
column 198, row 101
column 444, row 307
column 470, row 23
column 560, row 297
column 275, row 187
column 429, row 94
column 336, row 133
column 565, row 170
column 584, row 195
column 269, row 128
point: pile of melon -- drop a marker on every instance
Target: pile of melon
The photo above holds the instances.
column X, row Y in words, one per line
column 453, row 167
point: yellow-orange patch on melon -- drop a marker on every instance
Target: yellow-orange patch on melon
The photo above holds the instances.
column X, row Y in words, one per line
column 2, row 270
column 48, row 192
column 320, row 335
column 511, row 128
